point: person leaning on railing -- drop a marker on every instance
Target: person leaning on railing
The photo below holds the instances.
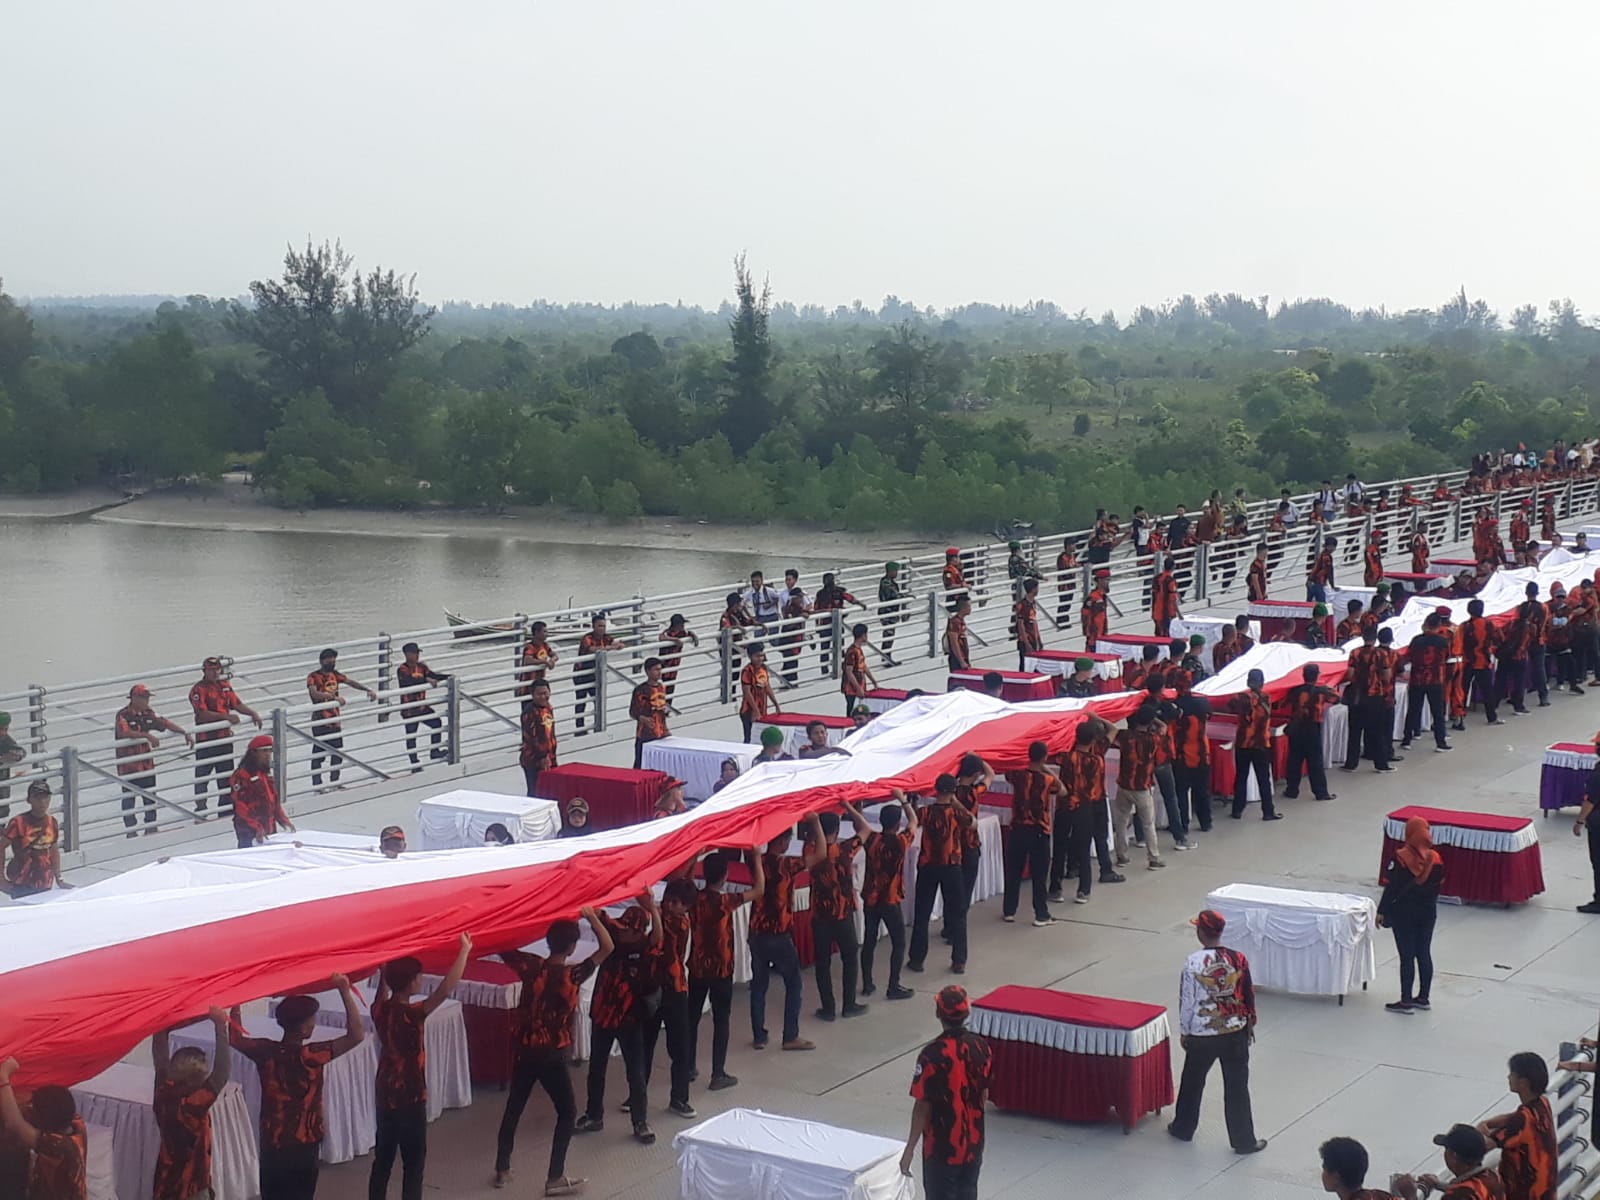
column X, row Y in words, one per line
column 214, row 703
column 135, row 732
column 10, row 753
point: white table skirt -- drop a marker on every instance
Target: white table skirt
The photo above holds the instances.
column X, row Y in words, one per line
column 1064, row 1035
column 795, row 736
column 752, row 1155
column 1314, row 943
column 348, row 1081
column 1496, row 840
column 1335, row 735
column 1129, row 651
column 444, row 1037
column 881, row 704
column 120, row 1098
column 1554, row 756
column 1298, row 609
column 1209, row 628
column 1104, row 668
column 1339, row 600
column 696, row 761
column 991, row 863
column 458, row 820
column 99, row 1169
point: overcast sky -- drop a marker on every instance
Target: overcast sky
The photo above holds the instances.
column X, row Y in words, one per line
column 1100, row 155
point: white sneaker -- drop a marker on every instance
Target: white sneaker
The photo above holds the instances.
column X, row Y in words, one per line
column 1038, row 924
column 1080, row 899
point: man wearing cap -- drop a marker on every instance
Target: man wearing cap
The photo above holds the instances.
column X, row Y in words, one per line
column 951, row 578
column 672, row 639
column 1081, row 684
column 796, row 607
column 647, row 708
column 257, row 811
column 891, row 607
column 1217, row 1021
column 214, row 703
column 592, row 643
column 956, row 649
column 1192, row 662
column 1464, row 1149
column 323, row 686
column 34, row 841
column 577, row 824
column 391, row 841
column 10, row 752
column 670, row 802
column 136, row 727
column 950, row 1086
column 538, row 657
column 413, row 675
column 1316, row 634
column 291, row 1071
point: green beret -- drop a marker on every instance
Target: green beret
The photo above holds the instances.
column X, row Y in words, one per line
column 772, row 736
column 1320, row 610
column 1014, row 545
column 891, row 566
column 1197, row 639
column 5, row 719
column 1383, row 587
column 1083, row 664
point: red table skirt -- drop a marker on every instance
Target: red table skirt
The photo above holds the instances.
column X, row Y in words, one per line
column 617, row 796
column 488, row 1043
column 1483, row 876
column 1015, row 688
column 1222, row 766
column 1063, row 1086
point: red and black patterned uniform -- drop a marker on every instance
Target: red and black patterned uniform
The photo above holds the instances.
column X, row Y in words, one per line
column 32, row 845
column 402, row 1055
column 1025, row 623
column 1528, row 1152
column 542, row 1035
column 291, row 1091
column 1094, row 616
column 583, row 672
column 183, row 1162
column 943, row 837
column 833, row 890
column 60, row 1164
column 1255, row 580
column 1136, row 765
column 536, row 660
column 1252, row 750
column 711, row 935
column 648, row 711
column 1034, row 796
column 773, row 910
column 257, row 811
column 1164, row 602
column 883, row 880
column 953, row 1074
column 538, row 742
column 213, row 748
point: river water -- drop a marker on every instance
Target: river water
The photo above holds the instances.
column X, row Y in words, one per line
column 85, row 599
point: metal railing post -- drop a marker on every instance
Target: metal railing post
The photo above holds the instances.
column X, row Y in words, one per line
column 933, row 625
column 453, row 719
column 385, row 670
column 725, row 661
column 36, row 719
column 280, row 753
column 599, row 691
column 1202, row 568
column 70, row 817
column 836, row 639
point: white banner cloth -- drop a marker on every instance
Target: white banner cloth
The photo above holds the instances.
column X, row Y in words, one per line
column 754, row 1155
column 696, row 761
column 119, row 1099
column 458, row 820
column 1064, row 1035
column 1314, row 943
column 348, row 1082
column 1496, row 840
column 444, row 1040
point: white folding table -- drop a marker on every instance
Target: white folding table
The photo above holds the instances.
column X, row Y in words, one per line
column 458, row 820
column 759, row 1156
column 1314, row 943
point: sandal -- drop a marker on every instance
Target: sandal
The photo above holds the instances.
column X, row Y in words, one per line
column 564, row 1186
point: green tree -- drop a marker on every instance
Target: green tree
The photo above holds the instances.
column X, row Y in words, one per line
column 748, row 407
column 1080, row 425
column 16, row 339
column 642, row 352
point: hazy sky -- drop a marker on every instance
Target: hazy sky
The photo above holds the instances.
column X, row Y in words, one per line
column 1101, row 155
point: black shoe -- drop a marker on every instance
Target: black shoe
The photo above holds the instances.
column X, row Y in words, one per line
column 1346, row 767
column 896, row 992
column 852, row 1010
column 1544, row 704
column 1113, row 877
column 944, row 935
column 1402, row 1007
column 917, row 967
column 644, row 1135
column 588, row 1124
column 1237, row 816
column 866, row 989
column 694, row 1074
column 825, row 1014
column 1385, row 770
column 1421, row 1002
column 1257, row 1148
column 1396, row 758
column 1591, row 908
column 1173, row 1130
column 1277, row 816
column 1494, row 721
column 680, row 1108
column 720, row 1082
column 1329, row 796
column 1406, row 745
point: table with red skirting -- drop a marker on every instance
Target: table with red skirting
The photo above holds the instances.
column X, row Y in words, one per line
column 1286, row 620
column 1062, row 663
column 805, row 945
column 489, row 993
column 1418, row 581
column 617, row 796
column 1131, row 646
column 1075, row 1058
column 881, row 700
column 1221, row 730
column 1460, row 564
column 1487, row 858
column 794, row 725
column 1015, row 686
column 1565, row 776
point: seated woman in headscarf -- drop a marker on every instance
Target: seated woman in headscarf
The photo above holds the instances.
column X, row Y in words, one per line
column 497, row 835
column 730, row 772
column 1409, row 907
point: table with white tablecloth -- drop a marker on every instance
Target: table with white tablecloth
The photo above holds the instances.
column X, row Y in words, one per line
column 1313, row 943
column 458, row 820
column 1210, row 628
column 991, row 863
column 449, row 1076
column 794, row 728
column 696, row 761
column 1339, row 599
column 347, row 1083
column 119, row 1098
column 100, row 1162
column 753, row 1155
column 1063, row 663
column 325, row 839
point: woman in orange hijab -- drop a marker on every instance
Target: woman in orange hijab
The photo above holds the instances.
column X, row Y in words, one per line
column 1409, row 907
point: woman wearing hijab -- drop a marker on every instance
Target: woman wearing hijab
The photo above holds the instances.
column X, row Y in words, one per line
column 1409, row 907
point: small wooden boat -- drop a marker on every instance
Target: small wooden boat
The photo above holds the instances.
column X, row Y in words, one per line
column 565, row 627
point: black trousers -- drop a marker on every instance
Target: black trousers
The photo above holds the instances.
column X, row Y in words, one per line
column 828, row 933
column 335, row 742
column 1377, row 720
column 1509, row 680
column 402, row 1131
column 1537, row 675
column 950, row 1181
column 673, row 1016
column 638, row 750
column 1244, row 762
column 434, row 739
column 747, row 720
column 720, row 993
column 1061, row 835
column 549, row 1070
column 582, row 693
column 1305, row 753
column 1413, row 939
column 631, row 1039
column 946, row 881
column 1194, row 793
column 1594, row 867
column 894, row 921
column 530, row 776
column 971, row 860
column 1433, row 693
column 129, row 799
column 213, row 758
column 1232, row 1050
column 1484, row 678
column 1028, row 847
column 290, row 1174
column 1091, row 828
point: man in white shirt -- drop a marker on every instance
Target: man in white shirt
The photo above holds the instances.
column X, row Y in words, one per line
column 763, row 602
column 1289, row 511
column 1354, row 490
column 1330, row 498
column 1217, row 1023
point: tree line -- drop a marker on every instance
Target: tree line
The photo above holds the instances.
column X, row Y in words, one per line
column 335, row 386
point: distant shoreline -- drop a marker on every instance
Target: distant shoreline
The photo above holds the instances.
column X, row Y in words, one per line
column 233, row 508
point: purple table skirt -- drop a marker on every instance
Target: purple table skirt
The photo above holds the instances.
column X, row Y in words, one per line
column 1561, row 787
